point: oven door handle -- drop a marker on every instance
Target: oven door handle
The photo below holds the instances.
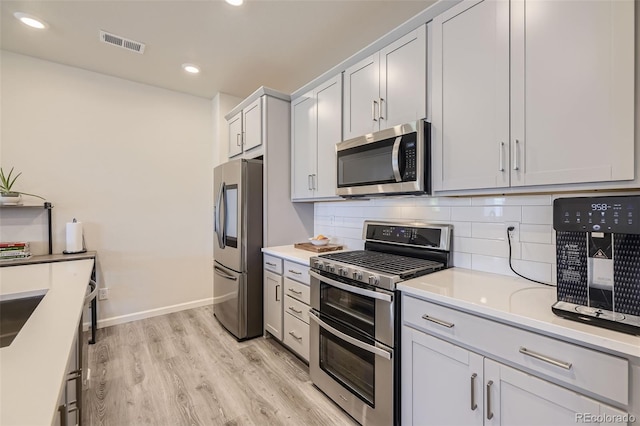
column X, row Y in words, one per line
column 355, row 342
column 353, row 289
column 395, row 159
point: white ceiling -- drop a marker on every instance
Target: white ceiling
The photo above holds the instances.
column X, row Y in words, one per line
column 278, row 44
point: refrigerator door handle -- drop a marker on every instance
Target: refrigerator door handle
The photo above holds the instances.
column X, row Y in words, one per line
column 223, row 274
column 218, row 223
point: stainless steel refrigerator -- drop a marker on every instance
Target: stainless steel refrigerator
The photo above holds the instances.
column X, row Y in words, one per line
column 237, row 286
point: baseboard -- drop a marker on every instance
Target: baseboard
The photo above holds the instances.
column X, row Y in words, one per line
column 122, row 319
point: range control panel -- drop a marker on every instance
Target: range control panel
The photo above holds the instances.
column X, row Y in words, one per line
column 598, row 214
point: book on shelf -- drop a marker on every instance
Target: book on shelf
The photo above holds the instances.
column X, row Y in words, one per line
column 13, row 244
column 24, row 255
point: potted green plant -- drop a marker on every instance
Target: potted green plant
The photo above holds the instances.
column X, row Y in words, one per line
column 8, row 196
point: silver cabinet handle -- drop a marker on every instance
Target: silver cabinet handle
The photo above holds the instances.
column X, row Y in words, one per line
column 238, row 141
column 516, row 166
column 309, row 183
column 270, row 264
column 295, row 292
column 313, row 181
column 536, row 355
column 373, row 110
column 355, row 342
column 292, row 334
column 295, row 272
column 277, row 287
column 380, row 109
column 353, row 289
column 292, row 309
column 489, row 413
column 501, row 151
column 473, row 392
column 438, row 321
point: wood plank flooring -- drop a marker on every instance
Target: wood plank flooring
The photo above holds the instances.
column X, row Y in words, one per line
column 185, row 369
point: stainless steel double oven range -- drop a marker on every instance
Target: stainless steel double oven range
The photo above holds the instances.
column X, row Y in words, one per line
column 355, row 315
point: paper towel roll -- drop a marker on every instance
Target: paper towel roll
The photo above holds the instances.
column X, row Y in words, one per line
column 74, row 237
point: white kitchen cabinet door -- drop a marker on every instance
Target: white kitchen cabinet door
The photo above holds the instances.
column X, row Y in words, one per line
column 471, row 96
column 303, row 146
column 441, row 382
column 572, row 94
column 252, row 125
column 361, row 97
column 273, row 301
column 403, row 80
column 329, row 132
column 515, row 398
column 235, row 135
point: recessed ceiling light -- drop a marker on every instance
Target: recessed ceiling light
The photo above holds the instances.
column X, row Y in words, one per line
column 234, row 2
column 190, row 68
column 31, row 20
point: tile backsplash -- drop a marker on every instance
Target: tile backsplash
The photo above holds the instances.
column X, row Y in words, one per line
column 480, row 228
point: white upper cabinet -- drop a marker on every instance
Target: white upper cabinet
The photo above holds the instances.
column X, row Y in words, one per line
column 316, row 127
column 553, row 107
column 235, row 134
column 245, row 130
column 387, row 88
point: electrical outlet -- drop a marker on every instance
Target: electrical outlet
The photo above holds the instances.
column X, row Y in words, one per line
column 515, row 234
column 103, row 294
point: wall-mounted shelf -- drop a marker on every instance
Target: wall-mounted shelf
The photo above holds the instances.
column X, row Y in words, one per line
column 46, row 205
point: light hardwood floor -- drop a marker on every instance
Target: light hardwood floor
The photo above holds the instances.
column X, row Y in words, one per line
column 185, row 369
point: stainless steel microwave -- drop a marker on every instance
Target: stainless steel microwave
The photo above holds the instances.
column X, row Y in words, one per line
column 389, row 162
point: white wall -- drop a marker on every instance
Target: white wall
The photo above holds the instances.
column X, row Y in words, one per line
column 133, row 162
column 479, row 223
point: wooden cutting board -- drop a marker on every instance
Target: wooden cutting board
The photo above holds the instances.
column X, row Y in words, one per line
column 318, row 249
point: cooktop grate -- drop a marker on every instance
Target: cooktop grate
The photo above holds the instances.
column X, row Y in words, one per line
column 385, row 262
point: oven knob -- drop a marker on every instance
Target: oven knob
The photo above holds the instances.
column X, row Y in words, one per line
column 317, row 264
column 331, row 268
column 344, row 272
column 320, row 266
column 340, row 271
column 374, row 280
column 357, row 275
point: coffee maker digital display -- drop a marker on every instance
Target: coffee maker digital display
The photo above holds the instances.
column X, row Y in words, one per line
column 598, row 260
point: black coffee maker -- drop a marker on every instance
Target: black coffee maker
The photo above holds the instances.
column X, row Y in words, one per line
column 598, row 260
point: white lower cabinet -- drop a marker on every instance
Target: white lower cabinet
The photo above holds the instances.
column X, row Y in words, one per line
column 443, row 383
column 273, row 304
column 286, row 303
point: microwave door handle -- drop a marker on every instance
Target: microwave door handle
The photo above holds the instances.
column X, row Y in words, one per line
column 355, row 342
column 395, row 159
column 352, row 289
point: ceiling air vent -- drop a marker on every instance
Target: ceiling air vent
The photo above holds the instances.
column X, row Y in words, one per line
column 125, row 43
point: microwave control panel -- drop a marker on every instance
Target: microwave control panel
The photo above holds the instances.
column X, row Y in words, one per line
column 410, row 155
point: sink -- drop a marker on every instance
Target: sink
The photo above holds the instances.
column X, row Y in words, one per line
column 13, row 316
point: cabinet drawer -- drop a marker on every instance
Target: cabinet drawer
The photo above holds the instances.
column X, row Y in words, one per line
column 296, row 336
column 272, row 263
column 296, row 271
column 296, row 290
column 559, row 361
column 296, row 308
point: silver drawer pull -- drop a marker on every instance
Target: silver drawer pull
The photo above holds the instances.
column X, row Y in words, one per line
column 291, row 308
column 292, row 334
column 271, row 264
column 296, row 292
column 536, row 355
column 437, row 321
column 295, row 272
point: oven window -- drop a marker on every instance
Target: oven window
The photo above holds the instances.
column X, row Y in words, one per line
column 351, row 366
column 352, row 309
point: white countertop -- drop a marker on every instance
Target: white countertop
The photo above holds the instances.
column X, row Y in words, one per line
column 33, row 368
column 515, row 301
column 291, row 253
